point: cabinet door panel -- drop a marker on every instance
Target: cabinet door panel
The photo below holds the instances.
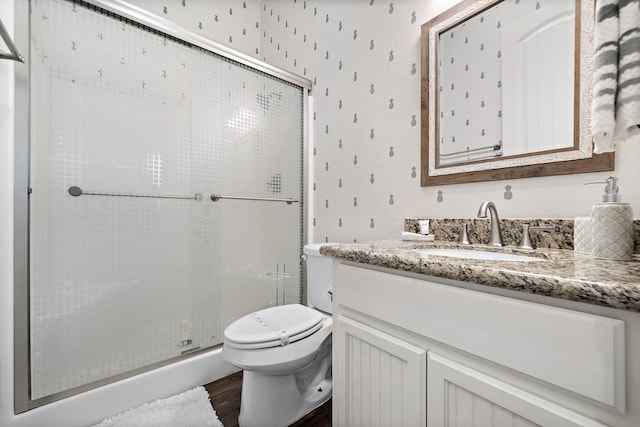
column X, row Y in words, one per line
column 465, row 408
column 460, row 396
column 382, row 379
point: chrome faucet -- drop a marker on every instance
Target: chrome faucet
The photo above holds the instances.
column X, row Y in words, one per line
column 495, row 238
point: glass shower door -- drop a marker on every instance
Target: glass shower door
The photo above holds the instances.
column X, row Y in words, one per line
column 132, row 263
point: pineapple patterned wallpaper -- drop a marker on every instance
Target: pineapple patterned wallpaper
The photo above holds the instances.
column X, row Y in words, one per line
column 234, row 23
column 363, row 58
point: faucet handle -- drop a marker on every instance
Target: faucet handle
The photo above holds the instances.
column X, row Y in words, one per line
column 525, row 243
column 464, row 238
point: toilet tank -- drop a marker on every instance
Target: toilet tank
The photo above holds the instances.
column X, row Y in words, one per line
column 319, row 283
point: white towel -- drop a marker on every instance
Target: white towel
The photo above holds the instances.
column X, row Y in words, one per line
column 616, row 76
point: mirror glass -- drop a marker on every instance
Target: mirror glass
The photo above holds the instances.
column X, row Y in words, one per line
column 489, row 65
column 503, row 90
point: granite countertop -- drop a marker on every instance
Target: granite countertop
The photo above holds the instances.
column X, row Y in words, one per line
column 563, row 274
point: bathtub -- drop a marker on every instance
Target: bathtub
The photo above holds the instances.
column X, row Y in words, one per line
column 91, row 407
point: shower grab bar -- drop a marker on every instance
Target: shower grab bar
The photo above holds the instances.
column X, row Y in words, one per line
column 216, row 197
column 13, row 53
column 76, row 191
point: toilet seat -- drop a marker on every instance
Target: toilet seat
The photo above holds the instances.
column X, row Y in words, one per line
column 273, row 327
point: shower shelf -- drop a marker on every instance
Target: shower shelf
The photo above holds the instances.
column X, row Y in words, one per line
column 216, row 197
column 76, row 191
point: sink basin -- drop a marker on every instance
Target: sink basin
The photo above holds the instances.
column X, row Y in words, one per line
column 474, row 254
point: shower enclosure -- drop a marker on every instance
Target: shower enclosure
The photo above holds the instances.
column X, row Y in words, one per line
column 165, row 184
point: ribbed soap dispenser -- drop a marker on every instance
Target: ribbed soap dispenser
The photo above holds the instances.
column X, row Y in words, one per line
column 612, row 225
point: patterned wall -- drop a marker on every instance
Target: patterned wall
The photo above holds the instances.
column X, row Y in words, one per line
column 365, row 69
column 233, row 23
column 363, row 57
column 364, row 60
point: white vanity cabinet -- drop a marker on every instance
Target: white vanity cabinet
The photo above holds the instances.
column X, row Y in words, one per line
column 411, row 350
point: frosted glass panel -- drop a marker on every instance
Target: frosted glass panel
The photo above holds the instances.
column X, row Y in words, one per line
column 143, row 266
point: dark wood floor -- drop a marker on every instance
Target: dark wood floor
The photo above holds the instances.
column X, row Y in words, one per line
column 225, row 398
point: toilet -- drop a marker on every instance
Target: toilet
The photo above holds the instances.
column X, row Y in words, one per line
column 285, row 352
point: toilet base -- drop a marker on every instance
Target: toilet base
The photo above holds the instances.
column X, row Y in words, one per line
column 278, row 400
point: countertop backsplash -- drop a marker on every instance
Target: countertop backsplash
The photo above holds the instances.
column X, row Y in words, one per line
column 478, row 231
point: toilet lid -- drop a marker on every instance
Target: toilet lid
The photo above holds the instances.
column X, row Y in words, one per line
column 272, row 327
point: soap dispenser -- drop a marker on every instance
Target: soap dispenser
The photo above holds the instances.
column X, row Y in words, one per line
column 612, row 225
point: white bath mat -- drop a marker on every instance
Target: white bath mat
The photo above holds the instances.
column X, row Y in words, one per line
column 189, row 409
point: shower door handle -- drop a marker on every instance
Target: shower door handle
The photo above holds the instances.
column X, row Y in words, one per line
column 216, row 197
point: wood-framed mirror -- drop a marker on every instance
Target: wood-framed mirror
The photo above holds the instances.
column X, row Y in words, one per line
column 506, row 92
